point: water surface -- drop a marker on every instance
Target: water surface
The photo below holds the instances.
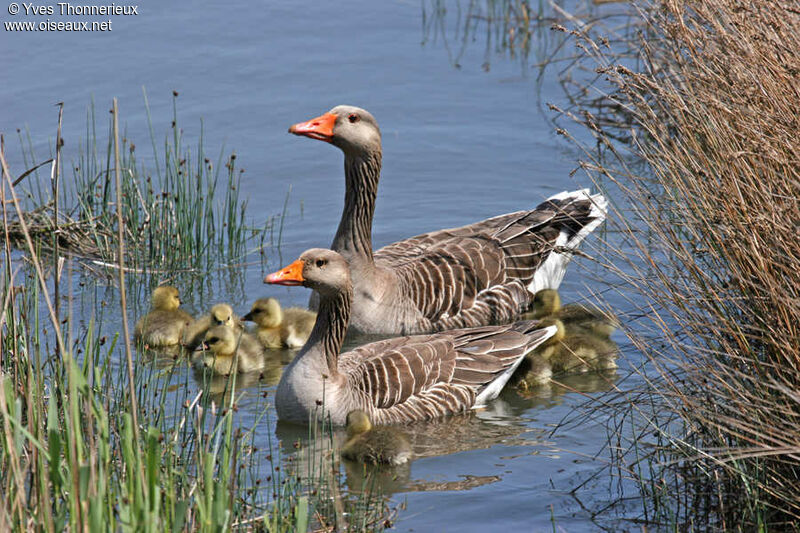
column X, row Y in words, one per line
column 462, row 141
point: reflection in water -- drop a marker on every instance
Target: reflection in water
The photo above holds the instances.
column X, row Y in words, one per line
column 467, row 483
column 508, row 26
column 221, row 388
column 517, row 402
column 503, row 422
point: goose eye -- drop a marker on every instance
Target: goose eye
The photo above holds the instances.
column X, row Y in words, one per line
column 353, row 118
column 321, row 263
column 212, row 340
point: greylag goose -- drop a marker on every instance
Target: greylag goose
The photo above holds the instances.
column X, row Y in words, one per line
column 218, row 315
column 575, row 317
column 483, row 273
column 277, row 327
column 393, row 380
column 374, row 445
column 165, row 323
column 226, row 350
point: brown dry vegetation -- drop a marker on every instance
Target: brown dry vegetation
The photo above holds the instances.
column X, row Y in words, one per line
column 699, row 137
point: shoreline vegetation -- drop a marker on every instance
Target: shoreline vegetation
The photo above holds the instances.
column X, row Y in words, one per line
column 694, row 122
column 687, row 115
column 91, row 440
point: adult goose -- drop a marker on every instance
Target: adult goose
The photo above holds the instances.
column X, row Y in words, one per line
column 483, row 273
column 394, row 380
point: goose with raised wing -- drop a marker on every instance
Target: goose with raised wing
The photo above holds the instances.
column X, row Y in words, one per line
column 483, row 273
column 395, row 380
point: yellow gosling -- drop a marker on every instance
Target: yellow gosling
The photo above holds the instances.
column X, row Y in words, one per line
column 221, row 354
column 165, row 323
column 569, row 353
column 575, row 317
column 374, row 445
column 276, row 327
column 218, row 315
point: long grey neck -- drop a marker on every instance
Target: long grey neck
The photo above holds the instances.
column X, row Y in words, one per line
column 354, row 237
column 331, row 326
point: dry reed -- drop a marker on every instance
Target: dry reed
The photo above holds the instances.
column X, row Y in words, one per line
column 698, row 139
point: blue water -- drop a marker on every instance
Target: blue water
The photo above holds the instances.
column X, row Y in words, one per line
column 460, row 144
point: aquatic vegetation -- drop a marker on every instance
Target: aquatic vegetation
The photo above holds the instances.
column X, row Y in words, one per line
column 181, row 206
column 696, row 138
column 91, row 439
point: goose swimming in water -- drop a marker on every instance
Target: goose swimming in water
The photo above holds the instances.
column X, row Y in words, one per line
column 483, row 273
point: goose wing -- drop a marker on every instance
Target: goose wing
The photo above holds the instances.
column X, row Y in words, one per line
column 447, row 271
column 424, row 376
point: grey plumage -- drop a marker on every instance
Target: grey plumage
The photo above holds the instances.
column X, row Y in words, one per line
column 483, row 273
column 393, row 380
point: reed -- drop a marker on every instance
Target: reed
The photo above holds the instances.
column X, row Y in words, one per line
column 181, row 206
column 692, row 128
column 94, row 437
column 518, row 28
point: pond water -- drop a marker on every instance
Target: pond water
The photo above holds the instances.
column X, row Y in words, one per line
column 466, row 135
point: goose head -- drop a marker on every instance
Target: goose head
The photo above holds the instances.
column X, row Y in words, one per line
column 351, row 129
column 546, row 302
column 357, row 423
column 166, row 298
column 222, row 315
column 266, row 312
column 324, row 271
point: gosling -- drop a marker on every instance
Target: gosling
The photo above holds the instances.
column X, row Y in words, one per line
column 276, row 327
column 218, row 315
column 533, row 371
column 575, row 317
column 164, row 324
column 380, row 445
column 570, row 353
column 221, row 354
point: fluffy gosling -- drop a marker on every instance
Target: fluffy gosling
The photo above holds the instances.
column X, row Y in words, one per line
column 569, row 353
column 276, row 327
column 221, row 354
column 165, row 323
column 218, row 315
column 575, row 317
column 374, row 445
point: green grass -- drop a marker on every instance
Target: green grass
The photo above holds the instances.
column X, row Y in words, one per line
column 96, row 437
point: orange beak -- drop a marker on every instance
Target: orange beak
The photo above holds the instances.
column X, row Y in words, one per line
column 320, row 128
column 290, row 275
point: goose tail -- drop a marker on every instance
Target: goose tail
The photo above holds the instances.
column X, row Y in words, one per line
column 492, row 390
column 579, row 213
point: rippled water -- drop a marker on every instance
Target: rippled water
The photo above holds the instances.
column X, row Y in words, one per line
column 466, row 136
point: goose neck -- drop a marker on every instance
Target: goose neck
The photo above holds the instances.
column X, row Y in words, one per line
column 331, row 327
column 354, row 236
